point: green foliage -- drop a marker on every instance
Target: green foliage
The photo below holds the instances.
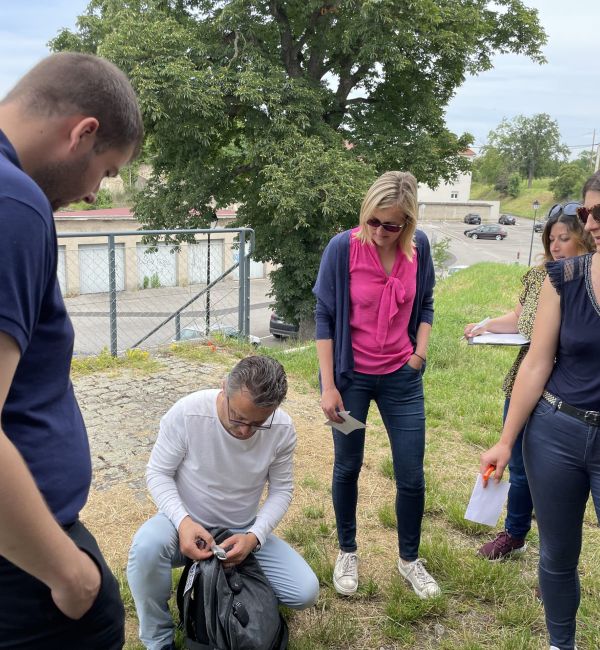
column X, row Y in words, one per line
column 569, row 182
column 440, row 252
column 490, row 166
column 522, row 204
column 529, row 145
column 509, row 185
column 103, row 199
column 253, row 103
column 137, row 360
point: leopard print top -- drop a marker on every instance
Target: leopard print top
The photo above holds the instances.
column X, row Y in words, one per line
column 532, row 285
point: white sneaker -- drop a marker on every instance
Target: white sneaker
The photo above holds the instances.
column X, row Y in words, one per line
column 423, row 584
column 345, row 574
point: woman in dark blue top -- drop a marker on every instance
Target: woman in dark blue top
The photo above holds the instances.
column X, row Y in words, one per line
column 559, row 385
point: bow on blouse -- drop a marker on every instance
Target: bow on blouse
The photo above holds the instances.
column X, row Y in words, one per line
column 392, row 296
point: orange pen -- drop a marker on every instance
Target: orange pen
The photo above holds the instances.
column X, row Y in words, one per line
column 488, row 472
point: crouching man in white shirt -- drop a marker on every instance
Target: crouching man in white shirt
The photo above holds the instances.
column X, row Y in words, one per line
column 215, row 452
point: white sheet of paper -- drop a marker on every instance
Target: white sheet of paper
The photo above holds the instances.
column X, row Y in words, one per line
column 349, row 424
column 486, row 504
column 491, row 338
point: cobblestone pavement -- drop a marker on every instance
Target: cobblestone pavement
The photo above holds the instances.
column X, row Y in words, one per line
column 122, row 414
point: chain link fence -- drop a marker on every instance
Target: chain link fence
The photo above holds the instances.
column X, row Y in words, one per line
column 123, row 292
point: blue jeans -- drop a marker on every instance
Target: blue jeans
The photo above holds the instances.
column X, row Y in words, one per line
column 562, row 458
column 520, row 505
column 399, row 397
column 155, row 552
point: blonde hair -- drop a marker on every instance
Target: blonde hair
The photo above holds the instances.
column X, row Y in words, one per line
column 392, row 190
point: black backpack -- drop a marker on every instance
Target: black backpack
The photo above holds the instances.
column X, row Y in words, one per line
column 229, row 609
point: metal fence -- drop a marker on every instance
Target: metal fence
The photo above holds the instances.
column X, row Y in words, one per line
column 122, row 292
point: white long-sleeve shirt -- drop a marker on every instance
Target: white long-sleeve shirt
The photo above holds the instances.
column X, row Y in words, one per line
column 197, row 468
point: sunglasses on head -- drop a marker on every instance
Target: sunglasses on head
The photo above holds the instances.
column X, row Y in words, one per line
column 583, row 213
column 568, row 209
column 390, row 227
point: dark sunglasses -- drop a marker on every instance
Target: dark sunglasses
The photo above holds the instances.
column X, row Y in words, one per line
column 390, row 227
column 583, row 213
column 568, row 209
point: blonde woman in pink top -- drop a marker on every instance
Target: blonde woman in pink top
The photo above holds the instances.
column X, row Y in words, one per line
column 373, row 319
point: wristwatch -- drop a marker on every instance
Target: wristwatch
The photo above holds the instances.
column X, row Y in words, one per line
column 258, row 546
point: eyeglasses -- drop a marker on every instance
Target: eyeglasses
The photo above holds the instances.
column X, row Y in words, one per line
column 390, row 227
column 568, row 209
column 583, row 213
column 253, row 425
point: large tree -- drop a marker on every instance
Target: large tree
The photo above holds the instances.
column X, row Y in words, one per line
column 291, row 108
column 530, row 145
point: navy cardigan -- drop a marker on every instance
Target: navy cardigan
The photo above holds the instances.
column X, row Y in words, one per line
column 332, row 290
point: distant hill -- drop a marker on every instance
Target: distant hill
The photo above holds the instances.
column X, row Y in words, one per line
column 522, row 205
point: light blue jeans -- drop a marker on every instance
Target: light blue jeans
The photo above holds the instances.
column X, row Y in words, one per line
column 155, row 552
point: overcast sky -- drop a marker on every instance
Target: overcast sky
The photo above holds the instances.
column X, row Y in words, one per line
column 566, row 87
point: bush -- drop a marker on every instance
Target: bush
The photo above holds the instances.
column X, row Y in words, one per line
column 569, row 181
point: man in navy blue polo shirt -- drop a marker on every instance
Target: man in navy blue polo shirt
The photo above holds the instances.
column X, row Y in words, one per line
column 69, row 122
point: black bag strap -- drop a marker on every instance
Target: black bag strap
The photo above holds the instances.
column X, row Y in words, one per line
column 184, row 599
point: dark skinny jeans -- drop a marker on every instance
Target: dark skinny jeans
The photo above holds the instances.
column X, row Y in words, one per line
column 520, row 506
column 399, row 396
column 562, row 459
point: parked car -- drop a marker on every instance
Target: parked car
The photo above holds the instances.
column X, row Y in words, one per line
column 280, row 329
column 539, row 226
column 472, row 218
column 486, row 232
column 196, row 332
column 507, row 220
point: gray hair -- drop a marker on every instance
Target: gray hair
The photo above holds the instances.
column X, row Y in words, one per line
column 263, row 377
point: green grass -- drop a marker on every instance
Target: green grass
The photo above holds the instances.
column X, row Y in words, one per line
column 137, row 360
column 522, row 204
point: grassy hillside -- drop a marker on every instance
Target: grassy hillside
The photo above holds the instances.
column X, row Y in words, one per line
column 521, row 206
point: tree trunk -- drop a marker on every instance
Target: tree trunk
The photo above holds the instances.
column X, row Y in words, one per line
column 306, row 329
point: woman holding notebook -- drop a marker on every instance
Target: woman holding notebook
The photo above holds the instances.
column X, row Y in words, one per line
column 563, row 237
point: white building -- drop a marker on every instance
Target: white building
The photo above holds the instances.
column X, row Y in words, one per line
column 452, row 201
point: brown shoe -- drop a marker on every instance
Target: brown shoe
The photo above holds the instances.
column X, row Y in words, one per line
column 503, row 545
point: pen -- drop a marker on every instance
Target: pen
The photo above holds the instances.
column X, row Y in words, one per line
column 488, row 472
column 482, row 323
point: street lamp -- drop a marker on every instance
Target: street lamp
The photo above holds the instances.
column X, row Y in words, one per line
column 213, row 223
column 536, row 207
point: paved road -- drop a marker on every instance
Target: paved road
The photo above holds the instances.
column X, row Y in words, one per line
column 513, row 249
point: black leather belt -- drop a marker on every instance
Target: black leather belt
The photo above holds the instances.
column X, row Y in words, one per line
column 589, row 417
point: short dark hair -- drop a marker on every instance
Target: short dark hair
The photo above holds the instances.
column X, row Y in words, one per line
column 592, row 184
column 263, row 377
column 70, row 82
